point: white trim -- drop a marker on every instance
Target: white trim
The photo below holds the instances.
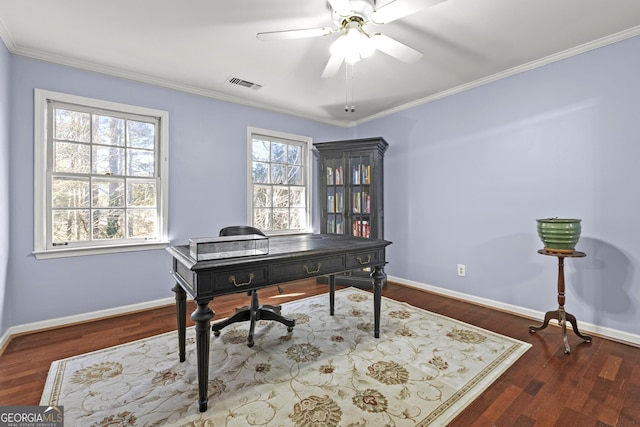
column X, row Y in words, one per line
column 308, row 164
column 41, row 97
column 613, row 334
column 609, row 333
column 98, row 250
column 116, row 72
column 142, row 78
column 6, row 37
column 80, row 318
column 5, row 338
column 604, row 41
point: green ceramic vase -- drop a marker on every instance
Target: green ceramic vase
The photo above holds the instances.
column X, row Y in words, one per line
column 559, row 234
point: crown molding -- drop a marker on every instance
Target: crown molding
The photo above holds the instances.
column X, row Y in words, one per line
column 6, row 37
column 168, row 84
column 604, row 41
column 143, row 78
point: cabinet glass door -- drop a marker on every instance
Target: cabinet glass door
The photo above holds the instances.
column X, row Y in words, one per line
column 360, row 197
column 335, row 197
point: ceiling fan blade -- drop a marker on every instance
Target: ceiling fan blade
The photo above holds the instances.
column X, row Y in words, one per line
column 399, row 9
column 332, row 66
column 396, row 49
column 342, row 7
column 294, row 34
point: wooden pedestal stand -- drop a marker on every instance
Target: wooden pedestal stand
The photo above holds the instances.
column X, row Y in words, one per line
column 562, row 316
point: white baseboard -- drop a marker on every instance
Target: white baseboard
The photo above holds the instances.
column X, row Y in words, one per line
column 612, row 334
column 609, row 333
column 80, row 318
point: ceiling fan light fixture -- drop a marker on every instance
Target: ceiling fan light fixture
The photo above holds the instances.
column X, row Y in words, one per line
column 353, row 45
column 352, row 57
column 339, row 47
column 351, row 17
column 366, row 47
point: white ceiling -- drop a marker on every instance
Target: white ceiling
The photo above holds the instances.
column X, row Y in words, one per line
column 196, row 45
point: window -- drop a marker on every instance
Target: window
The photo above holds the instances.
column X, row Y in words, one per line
column 100, row 176
column 279, row 181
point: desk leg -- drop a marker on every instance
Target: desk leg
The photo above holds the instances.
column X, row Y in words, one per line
column 378, row 277
column 181, row 317
column 202, row 316
column 332, row 293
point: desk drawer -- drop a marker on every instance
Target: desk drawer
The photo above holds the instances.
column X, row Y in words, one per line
column 185, row 276
column 365, row 259
column 230, row 280
column 301, row 270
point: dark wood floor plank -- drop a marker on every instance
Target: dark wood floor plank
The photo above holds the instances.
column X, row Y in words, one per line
column 610, row 368
column 598, row 384
column 630, row 412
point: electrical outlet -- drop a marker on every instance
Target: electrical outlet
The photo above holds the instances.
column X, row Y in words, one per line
column 461, row 270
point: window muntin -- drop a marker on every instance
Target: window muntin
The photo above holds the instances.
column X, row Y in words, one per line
column 279, row 182
column 100, row 176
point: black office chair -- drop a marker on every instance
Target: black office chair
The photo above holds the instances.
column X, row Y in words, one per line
column 255, row 311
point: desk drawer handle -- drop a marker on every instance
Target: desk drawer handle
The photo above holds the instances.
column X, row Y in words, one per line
column 314, row 271
column 232, row 279
column 364, row 262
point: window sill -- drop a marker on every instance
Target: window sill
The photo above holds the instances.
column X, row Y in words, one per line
column 98, row 250
column 286, row 232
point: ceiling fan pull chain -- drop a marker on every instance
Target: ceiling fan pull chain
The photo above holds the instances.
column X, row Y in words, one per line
column 346, row 87
column 353, row 107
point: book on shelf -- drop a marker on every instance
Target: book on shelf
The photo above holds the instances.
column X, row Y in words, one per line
column 361, row 228
column 334, row 224
column 361, row 175
column 361, row 202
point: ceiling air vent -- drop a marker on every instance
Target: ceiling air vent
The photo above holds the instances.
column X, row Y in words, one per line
column 239, row 82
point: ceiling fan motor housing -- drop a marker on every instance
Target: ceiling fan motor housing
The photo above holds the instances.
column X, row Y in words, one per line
column 361, row 10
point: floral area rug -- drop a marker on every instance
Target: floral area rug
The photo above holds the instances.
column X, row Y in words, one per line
column 330, row 371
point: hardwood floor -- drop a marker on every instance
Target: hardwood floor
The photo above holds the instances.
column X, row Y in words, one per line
column 598, row 384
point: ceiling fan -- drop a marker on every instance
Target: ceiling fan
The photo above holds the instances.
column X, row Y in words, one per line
column 353, row 19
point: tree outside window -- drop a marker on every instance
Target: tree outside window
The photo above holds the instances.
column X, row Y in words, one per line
column 279, row 182
column 104, row 171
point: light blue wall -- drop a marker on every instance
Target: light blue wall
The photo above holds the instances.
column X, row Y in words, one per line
column 207, row 175
column 465, row 178
column 467, row 175
column 5, row 79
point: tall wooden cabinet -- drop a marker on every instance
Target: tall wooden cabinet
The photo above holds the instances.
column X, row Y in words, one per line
column 351, row 193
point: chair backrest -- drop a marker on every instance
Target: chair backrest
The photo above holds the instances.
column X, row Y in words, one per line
column 238, row 230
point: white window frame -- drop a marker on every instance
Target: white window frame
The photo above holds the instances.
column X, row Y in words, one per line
column 307, row 161
column 43, row 248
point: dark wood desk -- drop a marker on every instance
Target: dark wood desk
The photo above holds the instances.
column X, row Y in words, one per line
column 290, row 258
